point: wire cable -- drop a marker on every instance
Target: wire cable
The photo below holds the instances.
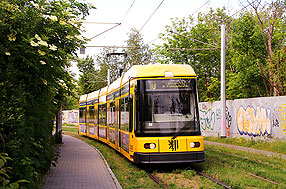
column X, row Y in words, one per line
column 194, row 39
column 118, row 24
column 151, row 15
column 239, row 11
column 201, row 7
column 127, row 11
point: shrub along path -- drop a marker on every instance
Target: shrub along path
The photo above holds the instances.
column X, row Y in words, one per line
column 271, row 154
column 80, row 166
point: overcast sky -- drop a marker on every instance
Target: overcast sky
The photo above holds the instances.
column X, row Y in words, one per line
column 135, row 13
column 116, row 11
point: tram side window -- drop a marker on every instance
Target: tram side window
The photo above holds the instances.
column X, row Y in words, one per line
column 111, row 116
column 82, row 115
column 124, row 114
column 91, row 114
column 102, row 114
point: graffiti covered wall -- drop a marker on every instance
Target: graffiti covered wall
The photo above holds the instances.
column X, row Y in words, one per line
column 70, row 116
column 254, row 117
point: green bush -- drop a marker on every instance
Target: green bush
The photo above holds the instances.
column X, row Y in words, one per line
column 38, row 41
column 5, row 172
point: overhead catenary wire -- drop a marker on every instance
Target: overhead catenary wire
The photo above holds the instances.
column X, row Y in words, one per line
column 151, row 15
column 118, row 47
column 127, row 11
column 84, row 22
column 201, row 7
column 117, row 24
column 239, row 11
column 195, row 40
column 197, row 49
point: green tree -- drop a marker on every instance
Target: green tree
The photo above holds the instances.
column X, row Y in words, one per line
column 88, row 75
column 140, row 53
column 196, row 43
column 247, row 52
column 271, row 19
column 38, row 41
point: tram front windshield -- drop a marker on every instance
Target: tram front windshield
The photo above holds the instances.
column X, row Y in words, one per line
column 168, row 108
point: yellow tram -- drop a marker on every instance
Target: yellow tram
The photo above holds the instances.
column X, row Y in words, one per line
column 150, row 115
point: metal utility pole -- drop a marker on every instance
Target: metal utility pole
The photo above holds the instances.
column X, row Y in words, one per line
column 223, row 99
column 108, row 77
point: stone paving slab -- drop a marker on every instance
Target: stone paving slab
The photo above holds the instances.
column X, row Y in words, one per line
column 271, row 154
column 80, row 166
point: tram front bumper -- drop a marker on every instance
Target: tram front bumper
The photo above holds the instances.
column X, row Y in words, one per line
column 174, row 157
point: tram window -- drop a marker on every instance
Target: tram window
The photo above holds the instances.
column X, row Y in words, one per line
column 102, row 114
column 124, row 114
column 91, row 114
column 111, row 115
column 82, row 115
column 95, row 116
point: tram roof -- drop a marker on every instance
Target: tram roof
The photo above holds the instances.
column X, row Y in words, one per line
column 103, row 91
column 82, row 98
column 158, row 70
column 115, row 85
column 93, row 95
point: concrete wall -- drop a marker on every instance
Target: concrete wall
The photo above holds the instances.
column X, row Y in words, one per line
column 70, row 116
column 253, row 117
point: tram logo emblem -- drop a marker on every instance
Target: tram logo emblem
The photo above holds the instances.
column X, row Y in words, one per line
column 173, row 144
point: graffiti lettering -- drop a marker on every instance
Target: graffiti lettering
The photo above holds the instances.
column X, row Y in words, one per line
column 275, row 123
column 70, row 116
column 207, row 119
column 204, row 107
column 282, row 109
column 254, row 122
column 228, row 122
column 218, row 114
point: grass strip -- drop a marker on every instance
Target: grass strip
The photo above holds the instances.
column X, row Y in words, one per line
column 248, row 163
column 272, row 145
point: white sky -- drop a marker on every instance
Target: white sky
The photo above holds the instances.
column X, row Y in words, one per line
column 114, row 11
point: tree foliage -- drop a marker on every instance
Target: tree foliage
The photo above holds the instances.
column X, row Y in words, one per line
column 96, row 74
column 271, row 20
column 88, row 75
column 255, row 43
column 140, row 53
column 38, row 40
column 196, row 43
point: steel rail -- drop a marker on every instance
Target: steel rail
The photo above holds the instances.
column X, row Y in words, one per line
column 251, row 174
column 213, row 179
column 157, row 180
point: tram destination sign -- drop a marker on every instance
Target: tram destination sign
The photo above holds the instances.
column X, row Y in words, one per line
column 168, row 84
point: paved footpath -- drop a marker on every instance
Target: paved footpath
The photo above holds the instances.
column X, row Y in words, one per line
column 271, row 154
column 80, row 166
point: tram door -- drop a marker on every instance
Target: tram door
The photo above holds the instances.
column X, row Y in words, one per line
column 116, row 120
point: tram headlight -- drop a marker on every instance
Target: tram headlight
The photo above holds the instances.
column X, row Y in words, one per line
column 149, row 145
column 195, row 144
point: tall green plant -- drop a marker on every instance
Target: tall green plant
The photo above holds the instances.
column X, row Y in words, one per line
column 5, row 172
column 196, row 43
column 38, row 41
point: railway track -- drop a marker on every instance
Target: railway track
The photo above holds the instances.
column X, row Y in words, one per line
column 247, row 158
column 212, row 179
column 251, row 174
column 157, row 180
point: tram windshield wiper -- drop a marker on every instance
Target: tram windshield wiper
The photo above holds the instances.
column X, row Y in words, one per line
column 181, row 129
